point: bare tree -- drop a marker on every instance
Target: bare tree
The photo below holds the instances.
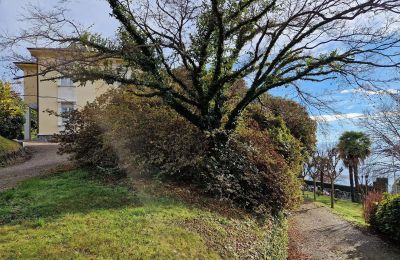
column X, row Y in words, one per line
column 383, row 125
column 190, row 53
column 332, row 172
column 312, row 169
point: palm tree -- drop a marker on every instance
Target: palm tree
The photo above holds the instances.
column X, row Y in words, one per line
column 353, row 148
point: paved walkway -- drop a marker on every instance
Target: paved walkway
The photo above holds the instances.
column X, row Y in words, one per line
column 317, row 233
column 44, row 159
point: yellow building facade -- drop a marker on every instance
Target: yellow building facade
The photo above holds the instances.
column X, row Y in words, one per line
column 52, row 92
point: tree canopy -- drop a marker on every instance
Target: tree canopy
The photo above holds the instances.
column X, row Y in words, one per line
column 354, row 147
column 269, row 44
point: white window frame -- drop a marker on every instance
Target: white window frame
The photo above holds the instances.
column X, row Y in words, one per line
column 61, row 120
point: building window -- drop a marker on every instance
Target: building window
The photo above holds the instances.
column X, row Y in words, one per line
column 66, row 82
column 66, row 107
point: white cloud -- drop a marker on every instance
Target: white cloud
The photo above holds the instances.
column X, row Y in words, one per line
column 330, row 118
column 370, row 91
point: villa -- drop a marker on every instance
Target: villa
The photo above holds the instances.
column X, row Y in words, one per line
column 59, row 95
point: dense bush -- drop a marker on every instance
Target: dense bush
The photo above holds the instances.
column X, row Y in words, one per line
column 370, row 205
column 83, row 139
column 256, row 167
column 11, row 112
column 387, row 216
column 254, row 178
column 148, row 137
column 295, row 117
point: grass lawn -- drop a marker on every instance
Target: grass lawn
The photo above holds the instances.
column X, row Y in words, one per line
column 350, row 211
column 72, row 216
column 8, row 146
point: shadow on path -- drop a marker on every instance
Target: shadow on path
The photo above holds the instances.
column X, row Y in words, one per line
column 323, row 235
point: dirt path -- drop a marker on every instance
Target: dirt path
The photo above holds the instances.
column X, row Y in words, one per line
column 317, row 233
column 44, row 159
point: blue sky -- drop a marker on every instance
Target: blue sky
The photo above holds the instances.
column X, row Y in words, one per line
column 346, row 105
column 96, row 13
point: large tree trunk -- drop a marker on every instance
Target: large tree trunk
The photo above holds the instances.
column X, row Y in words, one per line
column 217, row 140
column 351, row 183
column 357, row 190
column 332, row 193
column 366, row 185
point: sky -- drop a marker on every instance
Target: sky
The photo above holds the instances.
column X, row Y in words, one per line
column 347, row 101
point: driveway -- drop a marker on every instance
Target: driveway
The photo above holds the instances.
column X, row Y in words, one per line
column 44, row 159
column 317, row 233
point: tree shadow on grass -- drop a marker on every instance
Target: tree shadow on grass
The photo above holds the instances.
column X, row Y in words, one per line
column 53, row 196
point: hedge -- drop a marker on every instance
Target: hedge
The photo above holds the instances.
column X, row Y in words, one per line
column 387, row 217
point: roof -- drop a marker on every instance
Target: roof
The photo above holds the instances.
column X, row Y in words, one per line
column 35, row 52
column 34, row 48
column 51, row 52
column 22, row 64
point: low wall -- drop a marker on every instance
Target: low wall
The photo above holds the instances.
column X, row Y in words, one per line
column 337, row 186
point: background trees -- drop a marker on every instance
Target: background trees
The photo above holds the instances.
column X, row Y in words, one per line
column 333, row 171
column 353, row 148
column 11, row 112
column 326, row 163
column 383, row 124
column 312, row 170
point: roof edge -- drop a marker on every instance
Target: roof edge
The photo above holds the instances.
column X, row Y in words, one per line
column 22, row 64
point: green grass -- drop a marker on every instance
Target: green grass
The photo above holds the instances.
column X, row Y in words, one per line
column 8, row 146
column 350, row 211
column 72, row 216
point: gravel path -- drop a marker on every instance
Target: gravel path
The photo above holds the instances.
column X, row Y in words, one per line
column 317, row 233
column 44, row 159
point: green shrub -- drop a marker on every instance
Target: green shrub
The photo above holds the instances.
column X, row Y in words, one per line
column 250, row 171
column 387, row 217
column 83, row 139
column 11, row 112
column 256, row 168
column 294, row 115
column 148, row 136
